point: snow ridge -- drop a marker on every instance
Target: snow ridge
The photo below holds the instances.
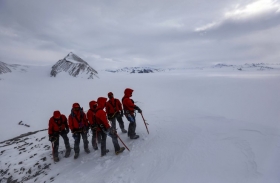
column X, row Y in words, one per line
column 74, row 66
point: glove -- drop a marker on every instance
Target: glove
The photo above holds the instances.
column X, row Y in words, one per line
column 138, row 109
column 121, row 113
column 52, row 138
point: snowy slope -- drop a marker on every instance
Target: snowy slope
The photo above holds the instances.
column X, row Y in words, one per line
column 211, row 125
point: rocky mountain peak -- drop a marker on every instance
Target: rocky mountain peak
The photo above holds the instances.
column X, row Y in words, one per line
column 74, row 66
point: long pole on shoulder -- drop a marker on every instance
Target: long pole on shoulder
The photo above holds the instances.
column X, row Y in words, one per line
column 145, row 122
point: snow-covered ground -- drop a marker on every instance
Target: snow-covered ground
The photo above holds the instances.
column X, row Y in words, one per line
column 212, row 125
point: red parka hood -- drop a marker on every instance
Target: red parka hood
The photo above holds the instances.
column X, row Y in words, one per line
column 92, row 104
column 128, row 92
column 56, row 114
column 75, row 105
column 101, row 101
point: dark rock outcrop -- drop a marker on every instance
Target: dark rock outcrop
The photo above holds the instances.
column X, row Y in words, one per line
column 4, row 68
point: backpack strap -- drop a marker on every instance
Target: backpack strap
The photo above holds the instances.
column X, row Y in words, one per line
column 81, row 117
column 114, row 106
column 58, row 124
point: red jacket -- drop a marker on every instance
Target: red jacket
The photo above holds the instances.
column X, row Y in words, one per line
column 91, row 114
column 112, row 106
column 128, row 104
column 57, row 125
column 78, row 120
column 101, row 114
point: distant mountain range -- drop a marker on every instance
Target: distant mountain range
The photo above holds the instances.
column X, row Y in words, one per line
column 255, row 66
column 74, row 66
column 77, row 67
column 71, row 64
column 136, row 70
column 6, row 68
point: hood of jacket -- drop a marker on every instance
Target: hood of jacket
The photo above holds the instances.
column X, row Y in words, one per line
column 128, row 92
column 101, row 101
column 56, row 114
column 92, row 104
column 75, row 105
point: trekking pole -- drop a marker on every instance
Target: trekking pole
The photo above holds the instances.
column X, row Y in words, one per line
column 52, row 151
column 145, row 122
column 96, row 140
column 122, row 141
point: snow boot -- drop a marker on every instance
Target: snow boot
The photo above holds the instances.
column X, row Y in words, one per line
column 87, row 150
column 56, row 159
column 107, row 150
column 76, row 155
column 67, row 153
column 124, row 130
column 134, row 136
column 95, row 148
column 120, row 151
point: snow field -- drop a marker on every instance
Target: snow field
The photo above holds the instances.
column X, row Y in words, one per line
column 205, row 126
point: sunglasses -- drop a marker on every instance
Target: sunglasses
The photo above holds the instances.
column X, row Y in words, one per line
column 76, row 108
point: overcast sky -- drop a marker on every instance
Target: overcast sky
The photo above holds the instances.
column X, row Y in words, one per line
column 159, row 33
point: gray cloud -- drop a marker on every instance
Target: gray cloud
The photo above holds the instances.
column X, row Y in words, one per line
column 112, row 34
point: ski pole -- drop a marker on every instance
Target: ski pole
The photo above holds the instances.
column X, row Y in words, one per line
column 122, row 141
column 145, row 122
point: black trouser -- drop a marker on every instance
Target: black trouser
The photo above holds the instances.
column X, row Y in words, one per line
column 63, row 134
column 117, row 117
column 115, row 141
column 77, row 137
column 103, row 143
column 132, row 124
column 94, row 140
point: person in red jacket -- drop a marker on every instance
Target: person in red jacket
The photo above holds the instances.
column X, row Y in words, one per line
column 96, row 136
column 58, row 126
column 129, row 107
column 105, row 128
column 79, row 126
column 114, row 111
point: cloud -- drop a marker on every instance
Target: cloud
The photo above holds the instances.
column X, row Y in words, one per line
column 135, row 33
column 260, row 14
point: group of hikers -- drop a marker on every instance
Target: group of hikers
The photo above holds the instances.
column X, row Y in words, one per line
column 95, row 119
